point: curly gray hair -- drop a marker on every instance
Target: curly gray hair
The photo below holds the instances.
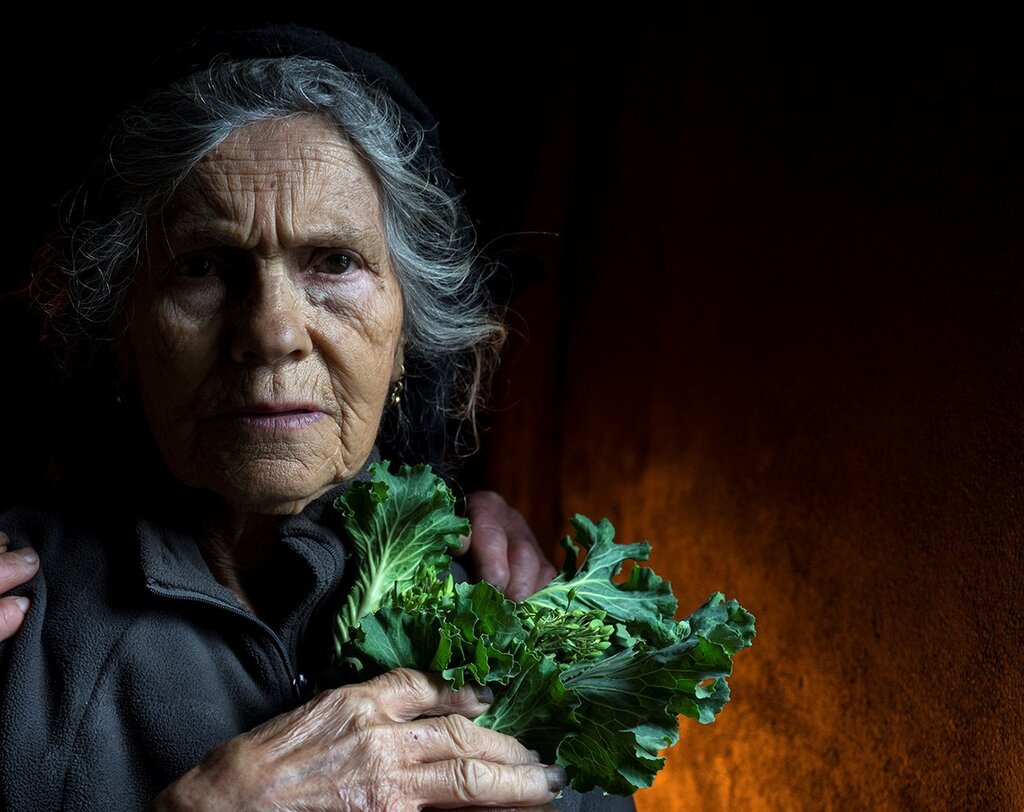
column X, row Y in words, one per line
column 451, row 328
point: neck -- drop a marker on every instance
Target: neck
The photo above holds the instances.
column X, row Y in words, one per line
column 241, row 550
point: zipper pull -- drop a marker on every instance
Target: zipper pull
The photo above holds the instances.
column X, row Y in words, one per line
column 299, row 684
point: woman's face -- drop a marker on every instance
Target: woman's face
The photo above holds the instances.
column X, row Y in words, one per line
column 267, row 329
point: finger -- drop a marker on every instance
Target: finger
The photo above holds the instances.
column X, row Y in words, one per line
column 545, row 575
column 12, row 613
column 470, row 782
column 529, row 567
column 488, row 514
column 17, row 567
column 405, row 694
column 447, row 737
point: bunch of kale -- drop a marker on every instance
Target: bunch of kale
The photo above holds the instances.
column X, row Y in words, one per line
column 590, row 672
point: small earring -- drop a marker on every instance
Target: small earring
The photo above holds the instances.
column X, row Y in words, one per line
column 397, row 388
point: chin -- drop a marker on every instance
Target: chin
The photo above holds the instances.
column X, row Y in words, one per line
column 274, row 490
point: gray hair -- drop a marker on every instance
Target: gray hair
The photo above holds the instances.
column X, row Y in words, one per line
column 451, row 329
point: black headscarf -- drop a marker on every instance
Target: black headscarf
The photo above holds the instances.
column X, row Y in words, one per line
column 276, row 41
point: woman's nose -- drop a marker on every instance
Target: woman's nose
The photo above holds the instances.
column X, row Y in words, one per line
column 271, row 325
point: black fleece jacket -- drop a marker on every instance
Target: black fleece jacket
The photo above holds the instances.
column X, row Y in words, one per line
column 134, row 662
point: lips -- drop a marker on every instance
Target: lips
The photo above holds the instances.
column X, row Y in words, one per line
column 281, row 415
column 275, row 408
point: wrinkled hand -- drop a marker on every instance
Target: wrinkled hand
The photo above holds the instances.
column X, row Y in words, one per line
column 503, row 548
column 16, row 568
column 400, row 742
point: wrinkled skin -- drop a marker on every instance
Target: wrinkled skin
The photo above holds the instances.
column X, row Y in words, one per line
column 400, row 742
column 266, row 333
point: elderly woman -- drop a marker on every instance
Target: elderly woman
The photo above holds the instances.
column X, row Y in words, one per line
column 274, row 254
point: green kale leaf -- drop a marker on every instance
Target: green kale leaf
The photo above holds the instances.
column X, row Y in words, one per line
column 398, row 525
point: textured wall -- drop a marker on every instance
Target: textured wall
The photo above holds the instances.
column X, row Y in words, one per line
column 782, row 339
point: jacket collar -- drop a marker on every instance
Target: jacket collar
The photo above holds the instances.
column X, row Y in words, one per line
column 172, row 562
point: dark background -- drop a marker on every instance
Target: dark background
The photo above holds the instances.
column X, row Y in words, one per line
column 779, row 332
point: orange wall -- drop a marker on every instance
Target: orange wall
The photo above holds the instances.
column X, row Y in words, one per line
column 782, row 337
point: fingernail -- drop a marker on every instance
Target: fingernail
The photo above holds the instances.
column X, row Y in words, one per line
column 556, row 777
column 29, row 556
column 22, row 604
column 483, row 693
column 3, row 548
column 535, row 756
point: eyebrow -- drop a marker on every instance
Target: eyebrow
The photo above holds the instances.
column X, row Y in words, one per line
column 203, row 232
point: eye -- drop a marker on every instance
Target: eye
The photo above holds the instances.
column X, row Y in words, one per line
column 196, row 267
column 336, row 262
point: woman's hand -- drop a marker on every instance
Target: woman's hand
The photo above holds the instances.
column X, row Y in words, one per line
column 400, row 742
column 503, row 548
column 16, row 568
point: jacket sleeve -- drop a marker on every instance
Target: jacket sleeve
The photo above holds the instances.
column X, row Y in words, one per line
column 593, row 801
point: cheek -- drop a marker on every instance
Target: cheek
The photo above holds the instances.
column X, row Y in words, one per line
column 172, row 349
column 359, row 346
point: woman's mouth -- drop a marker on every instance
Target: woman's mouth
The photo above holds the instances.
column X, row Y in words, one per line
column 271, row 417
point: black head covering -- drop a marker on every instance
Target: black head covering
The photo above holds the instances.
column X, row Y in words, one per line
column 279, row 40
column 275, row 41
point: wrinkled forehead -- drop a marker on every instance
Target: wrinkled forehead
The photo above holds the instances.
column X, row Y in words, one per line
column 301, row 138
column 283, row 179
